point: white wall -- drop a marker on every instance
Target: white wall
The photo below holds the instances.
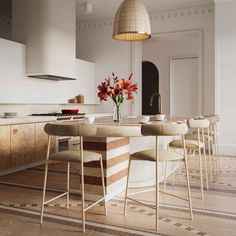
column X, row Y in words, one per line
column 159, row 51
column 15, row 87
column 225, row 36
column 95, row 43
column 86, row 73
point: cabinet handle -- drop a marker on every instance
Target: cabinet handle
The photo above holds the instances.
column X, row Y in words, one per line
column 15, row 131
column 74, row 144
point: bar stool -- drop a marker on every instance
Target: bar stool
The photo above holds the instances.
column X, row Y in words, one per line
column 156, row 155
column 196, row 145
column 81, row 156
column 214, row 134
column 207, row 139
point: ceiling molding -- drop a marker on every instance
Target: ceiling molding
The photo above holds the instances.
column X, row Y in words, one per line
column 196, row 11
column 183, row 13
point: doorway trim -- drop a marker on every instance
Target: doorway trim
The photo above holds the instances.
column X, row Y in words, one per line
column 136, row 64
column 200, row 82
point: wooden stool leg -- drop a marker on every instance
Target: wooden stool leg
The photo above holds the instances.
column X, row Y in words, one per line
column 82, row 182
column 103, row 186
column 200, row 162
column 200, row 169
column 188, row 187
column 210, row 158
column 127, row 187
column 205, row 164
column 44, row 190
column 205, row 160
column 68, row 186
column 164, row 189
column 82, row 195
column 173, row 175
column 157, row 183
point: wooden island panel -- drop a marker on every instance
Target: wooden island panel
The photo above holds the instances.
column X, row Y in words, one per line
column 115, row 154
column 22, row 144
column 5, row 154
column 41, row 143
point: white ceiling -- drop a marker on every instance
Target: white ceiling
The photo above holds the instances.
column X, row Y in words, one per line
column 103, row 9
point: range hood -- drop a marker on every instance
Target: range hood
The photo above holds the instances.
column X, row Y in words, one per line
column 50, row 77
column 48, row 29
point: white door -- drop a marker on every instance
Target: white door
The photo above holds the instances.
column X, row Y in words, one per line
column 185, row 87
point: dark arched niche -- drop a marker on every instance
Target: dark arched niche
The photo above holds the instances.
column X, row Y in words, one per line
column 150, row 85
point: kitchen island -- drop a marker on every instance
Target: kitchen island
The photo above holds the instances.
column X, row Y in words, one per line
column 24, row 145
column 115, row 151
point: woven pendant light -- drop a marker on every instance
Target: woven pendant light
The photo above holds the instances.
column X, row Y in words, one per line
column 131, row 22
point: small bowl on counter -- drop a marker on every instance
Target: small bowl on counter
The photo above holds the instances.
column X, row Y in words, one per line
column 89, row 119
column 70, row 111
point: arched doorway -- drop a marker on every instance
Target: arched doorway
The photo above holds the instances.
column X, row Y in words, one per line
column 150, row 85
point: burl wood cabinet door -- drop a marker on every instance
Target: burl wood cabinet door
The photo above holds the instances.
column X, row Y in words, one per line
column 22, row 144
column 41, row 142
column 5, row 158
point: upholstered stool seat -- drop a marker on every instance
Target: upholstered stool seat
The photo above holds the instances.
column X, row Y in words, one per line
column 74, row 156
column 150, row 155
column 191, row 144
column 194, row 136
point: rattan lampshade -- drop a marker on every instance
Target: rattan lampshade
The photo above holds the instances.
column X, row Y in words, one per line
column 131, row 22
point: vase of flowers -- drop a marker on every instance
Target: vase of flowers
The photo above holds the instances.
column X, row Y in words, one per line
column 118, row 90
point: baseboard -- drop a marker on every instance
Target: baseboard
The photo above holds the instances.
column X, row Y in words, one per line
column 20, row 168
column 228, row 149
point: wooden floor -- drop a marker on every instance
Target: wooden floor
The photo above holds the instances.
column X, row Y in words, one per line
column 20, row 197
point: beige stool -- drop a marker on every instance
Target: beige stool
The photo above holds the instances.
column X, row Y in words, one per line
column 207, row 140
column 156, row 155
column 196, row 145
column 214, row 134
column 81, row 156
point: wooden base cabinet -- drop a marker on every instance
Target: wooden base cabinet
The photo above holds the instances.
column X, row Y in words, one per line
column 41, row 142
column 22, row 144
column 5, row 158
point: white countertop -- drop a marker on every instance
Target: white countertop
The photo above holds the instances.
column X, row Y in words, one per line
column 26, row 119
column 38, row 119
column 96, row 115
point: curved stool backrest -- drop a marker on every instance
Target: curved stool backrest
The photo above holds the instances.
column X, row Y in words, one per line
column 213, row 119
column 214, row 132
column 198, row 123
column 84, row 130
column 166, row 129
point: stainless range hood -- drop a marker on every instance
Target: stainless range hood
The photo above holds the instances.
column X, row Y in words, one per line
column 50, row 77
column 48, row 28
